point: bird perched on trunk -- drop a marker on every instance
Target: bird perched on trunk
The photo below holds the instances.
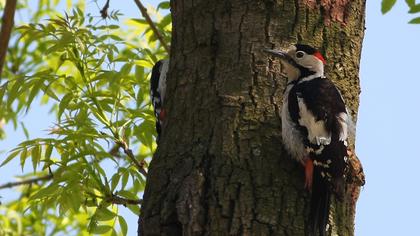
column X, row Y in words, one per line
column 315, row 128
column 158, row 92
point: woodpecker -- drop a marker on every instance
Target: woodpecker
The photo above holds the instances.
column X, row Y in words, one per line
column 157, row 92
column 315, row 128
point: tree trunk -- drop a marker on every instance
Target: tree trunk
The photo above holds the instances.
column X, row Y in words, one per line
column 220, row 167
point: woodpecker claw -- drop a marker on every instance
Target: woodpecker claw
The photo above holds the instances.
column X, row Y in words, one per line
column 309, row 171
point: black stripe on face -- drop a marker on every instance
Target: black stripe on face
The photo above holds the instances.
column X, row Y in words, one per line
column 306, row 48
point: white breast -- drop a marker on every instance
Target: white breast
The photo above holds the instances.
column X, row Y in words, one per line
column 162, row 80
column 292, row 138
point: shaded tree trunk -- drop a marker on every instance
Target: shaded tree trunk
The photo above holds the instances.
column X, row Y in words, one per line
column 7, row 22
column 220, row 167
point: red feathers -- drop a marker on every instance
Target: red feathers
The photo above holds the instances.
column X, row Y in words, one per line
column 320, row 57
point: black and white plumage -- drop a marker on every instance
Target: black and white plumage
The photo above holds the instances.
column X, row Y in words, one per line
column 158, row 92
column 315, row 128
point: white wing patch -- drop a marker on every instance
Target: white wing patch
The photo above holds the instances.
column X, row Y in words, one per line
column 317, row 134
column 343, row 120
column 348, row 129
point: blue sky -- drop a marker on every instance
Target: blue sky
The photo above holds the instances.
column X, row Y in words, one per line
column 387, row 131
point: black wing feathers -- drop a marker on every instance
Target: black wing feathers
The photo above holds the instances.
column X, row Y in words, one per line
column 154, row 93
column 322, row 98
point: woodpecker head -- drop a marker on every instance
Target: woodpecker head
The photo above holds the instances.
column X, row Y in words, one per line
column 300, row 61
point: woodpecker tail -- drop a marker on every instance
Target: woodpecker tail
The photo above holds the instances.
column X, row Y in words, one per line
column 320, row 205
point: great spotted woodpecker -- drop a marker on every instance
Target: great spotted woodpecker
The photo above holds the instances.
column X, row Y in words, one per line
column 315, row 128
column 157, row 92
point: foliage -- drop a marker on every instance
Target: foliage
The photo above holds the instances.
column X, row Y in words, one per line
column 413, row 8
column 94, row 75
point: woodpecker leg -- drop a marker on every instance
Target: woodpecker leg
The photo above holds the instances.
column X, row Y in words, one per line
column 309, row 172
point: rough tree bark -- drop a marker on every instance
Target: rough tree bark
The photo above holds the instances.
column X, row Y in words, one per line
column 220, row 167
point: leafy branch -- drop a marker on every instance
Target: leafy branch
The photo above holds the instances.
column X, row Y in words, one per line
column 28, row 181
column 95, row 77
column 414, row 8
column 122, row 201
column 129, row 153
column 152, row 25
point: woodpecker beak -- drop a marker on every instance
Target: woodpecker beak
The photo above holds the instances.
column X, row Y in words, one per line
column 282, row 55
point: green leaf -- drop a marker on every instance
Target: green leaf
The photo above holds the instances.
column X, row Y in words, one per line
column 98, row 112
column 140, row 21
column 113, row 27
column 10, row 157
column 80, row 12
column 127, row 194
column 415, row 21
column 64, row 201
column 64, row 104
column 134, row 208
column 387, row 5
column 165, row 21
column 139, row 72
column 104, row 214
column 13, row 93
column 75, row 200
column 124, row 179
column 410, row 3
column 3, row 89
column 34, row 91
column 36, row 156
column 414, row 9
column 125, row 69
column 143, row 63
column 54, row 48
column 25, row 130
column 101, row 229
column 115, row 37
column 45, row 192
column 164, row 5
column 48, row 152
column 114, row 181
column 123, row 225
column 23, row 156
column 48, row 91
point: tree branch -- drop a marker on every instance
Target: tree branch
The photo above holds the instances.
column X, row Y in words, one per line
column 28, row 181
column 6, row 30
column 122, row 201
column 129, row 153
column 152, row 25
column 112, row 198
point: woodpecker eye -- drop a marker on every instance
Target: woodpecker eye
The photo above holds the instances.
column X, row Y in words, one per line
column 300, row 54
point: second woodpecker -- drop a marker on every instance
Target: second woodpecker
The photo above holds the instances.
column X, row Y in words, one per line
column 158, row 92
column 315, row 128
